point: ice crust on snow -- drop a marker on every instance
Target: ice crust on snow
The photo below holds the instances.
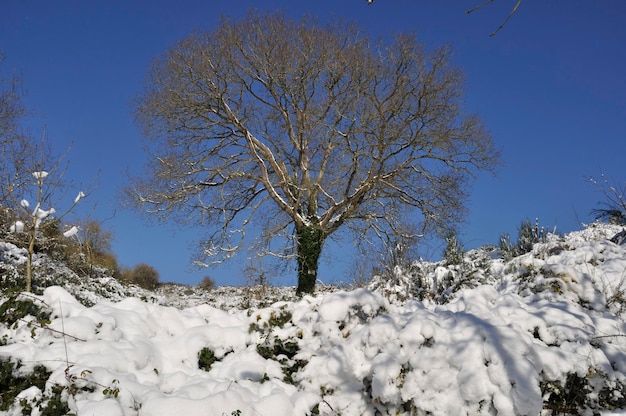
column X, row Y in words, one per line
column 546, row 314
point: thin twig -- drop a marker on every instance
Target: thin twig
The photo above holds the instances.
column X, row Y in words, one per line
column 609, row 336
column 67, row 357
column 480, row 6
column 42, row 326
column 507, row 18
column 483, row 4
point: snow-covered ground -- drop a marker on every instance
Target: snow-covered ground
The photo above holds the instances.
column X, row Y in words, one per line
column 542, row 333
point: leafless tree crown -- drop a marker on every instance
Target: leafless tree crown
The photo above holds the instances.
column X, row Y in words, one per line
column 16, row 149
column 306, row 125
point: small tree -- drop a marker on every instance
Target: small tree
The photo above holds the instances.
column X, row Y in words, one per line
column 454, row 251
column 316, row 127
column 255, row 272
column 91, row 246
column 36, row 219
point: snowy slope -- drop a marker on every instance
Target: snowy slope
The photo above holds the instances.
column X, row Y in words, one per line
column 541, row 333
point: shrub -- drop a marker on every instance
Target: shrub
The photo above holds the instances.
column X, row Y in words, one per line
column 145, row 276
column 207, row 283
column 579, row 395
column 142, row 275
column 206, row 358
column 12, row 382
column 527, row 236
column 453, row 253
column 16, row 307
column 614, row 205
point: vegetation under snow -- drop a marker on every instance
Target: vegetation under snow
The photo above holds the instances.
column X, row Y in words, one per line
column 541, row 332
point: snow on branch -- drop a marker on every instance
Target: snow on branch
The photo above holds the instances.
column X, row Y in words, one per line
column 41, row 175
column 80, row 195
column 71, row 232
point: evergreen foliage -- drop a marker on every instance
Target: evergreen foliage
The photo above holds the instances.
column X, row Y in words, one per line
column 528, row 235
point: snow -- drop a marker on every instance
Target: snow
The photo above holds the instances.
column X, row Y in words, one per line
column 40, row 214
column 80, row 196
column 17, row 227
column 71, row 232
column 487, row 350
column 40, row 175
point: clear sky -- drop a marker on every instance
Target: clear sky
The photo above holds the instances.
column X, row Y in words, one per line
column 551, row 87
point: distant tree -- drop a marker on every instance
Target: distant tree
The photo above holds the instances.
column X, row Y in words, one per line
column 125, row 275
column 311, row 128
column 96, row 237
column 207, row 283
column 145, row 276
column 91, row 246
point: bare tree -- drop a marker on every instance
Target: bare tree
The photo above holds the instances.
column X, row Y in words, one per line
column 312, row 127
column 38, row 217
column 33, row 203
column 90, row 246
column 16, row 149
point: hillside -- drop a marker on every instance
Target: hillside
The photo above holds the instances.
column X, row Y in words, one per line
column 542, row 332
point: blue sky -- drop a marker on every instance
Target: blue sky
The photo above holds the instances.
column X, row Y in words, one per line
column 551, row 87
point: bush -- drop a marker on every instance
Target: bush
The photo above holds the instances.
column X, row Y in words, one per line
column 207, row 283
column 13, row 381
column 145, row 276
column 528, row 235
column 142, row 275
column 15, row 308
column 206, row 358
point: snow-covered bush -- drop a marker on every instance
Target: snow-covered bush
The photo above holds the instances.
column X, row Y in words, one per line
column 540, row 334
column 398, row 285
column 436, row 281
column 14, row 381
column 453, row 253
column 527, row 236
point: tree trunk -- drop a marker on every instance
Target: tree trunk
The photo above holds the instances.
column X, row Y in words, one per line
column 29, row 262
column 310, row 241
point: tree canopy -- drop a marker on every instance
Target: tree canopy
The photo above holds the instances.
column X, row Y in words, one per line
column 307, row 127
column 16, row 148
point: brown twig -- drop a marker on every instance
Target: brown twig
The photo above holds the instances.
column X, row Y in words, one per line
column 480, row 6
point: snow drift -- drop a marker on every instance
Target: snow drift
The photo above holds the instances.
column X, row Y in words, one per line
column 543, row 332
